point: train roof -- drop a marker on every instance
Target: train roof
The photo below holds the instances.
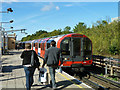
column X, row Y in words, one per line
column 49, row 39
column 36, row 40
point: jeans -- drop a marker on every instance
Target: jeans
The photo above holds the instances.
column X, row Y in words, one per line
column 52, row 74
column 29, row 72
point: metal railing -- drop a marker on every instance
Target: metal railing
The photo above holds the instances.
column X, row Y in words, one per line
column 108, row 63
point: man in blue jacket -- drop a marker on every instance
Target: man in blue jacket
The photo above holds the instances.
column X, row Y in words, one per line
column 52, row 56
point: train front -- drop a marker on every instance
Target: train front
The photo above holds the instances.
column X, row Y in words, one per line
column 76, row 50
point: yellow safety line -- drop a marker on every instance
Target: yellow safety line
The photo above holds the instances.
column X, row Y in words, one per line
column 71, row 81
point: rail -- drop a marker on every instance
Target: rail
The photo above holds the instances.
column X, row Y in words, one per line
column 106, row 80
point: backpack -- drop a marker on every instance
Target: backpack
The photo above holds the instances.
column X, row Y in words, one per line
column 34, row 62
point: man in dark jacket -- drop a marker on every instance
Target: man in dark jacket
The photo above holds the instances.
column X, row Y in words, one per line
column 29, row 70
column 52, row 60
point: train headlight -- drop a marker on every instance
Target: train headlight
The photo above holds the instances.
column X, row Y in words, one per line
column 86, row 58
column 65, row 58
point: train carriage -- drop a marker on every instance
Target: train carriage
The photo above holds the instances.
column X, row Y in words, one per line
column 76, row 49
column 36, row 42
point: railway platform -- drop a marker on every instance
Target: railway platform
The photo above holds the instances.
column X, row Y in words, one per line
column 13, row 76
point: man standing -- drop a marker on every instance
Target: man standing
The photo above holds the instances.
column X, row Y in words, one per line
column 52, row 60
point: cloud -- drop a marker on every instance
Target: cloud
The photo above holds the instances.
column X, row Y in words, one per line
column 68, row 5
column 57, row 8
column 9, row 1
column 49, row 7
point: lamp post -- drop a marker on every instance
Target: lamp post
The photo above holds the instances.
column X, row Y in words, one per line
column 2, row 34
column 8, row 10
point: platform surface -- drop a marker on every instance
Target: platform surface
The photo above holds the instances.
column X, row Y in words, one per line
column 13, row 76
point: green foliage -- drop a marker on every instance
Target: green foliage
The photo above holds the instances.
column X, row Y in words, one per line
column 42, row 34
column 80, row 27
column 113, row 50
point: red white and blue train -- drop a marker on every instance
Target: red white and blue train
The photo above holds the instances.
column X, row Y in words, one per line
column 76, row 49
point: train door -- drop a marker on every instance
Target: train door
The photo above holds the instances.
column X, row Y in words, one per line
column 77, row 50
column 36, row 48
column 39, row 49
column 42, row 49
column 33, row 46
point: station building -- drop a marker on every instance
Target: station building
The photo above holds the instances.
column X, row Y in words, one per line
column 11, row 41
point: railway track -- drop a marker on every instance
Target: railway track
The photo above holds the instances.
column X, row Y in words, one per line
column 94, row 80
column 109, row 84
column 112, row 83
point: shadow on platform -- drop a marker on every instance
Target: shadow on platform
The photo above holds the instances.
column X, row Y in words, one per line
column 16, row 78
column 12, row 52
column 10, row 68
column 61, row 84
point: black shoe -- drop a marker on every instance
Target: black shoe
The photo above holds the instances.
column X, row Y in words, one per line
column 50, row 83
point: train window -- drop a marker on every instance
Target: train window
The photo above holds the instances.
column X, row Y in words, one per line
column 66, row 47
column 87, row 47
column 43, row 46
column 48, row 45
column 76, row 46
column 39, row 45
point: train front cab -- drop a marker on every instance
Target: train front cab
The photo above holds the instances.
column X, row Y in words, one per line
column 76, row 51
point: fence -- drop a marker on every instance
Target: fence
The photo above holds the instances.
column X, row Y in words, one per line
column 111, row 65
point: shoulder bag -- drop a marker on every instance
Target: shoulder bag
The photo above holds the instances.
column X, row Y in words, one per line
column 34, row 63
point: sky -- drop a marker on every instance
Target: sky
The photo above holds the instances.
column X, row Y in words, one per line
column 35, row 16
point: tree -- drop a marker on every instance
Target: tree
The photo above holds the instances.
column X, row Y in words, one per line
column 80, row 27
column 67, row 28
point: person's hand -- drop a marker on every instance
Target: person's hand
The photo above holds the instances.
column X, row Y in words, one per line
column 38, row 69
column 61, row 65
column 42, row 66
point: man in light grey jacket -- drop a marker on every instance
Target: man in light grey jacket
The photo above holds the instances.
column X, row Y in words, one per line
column 52, row 57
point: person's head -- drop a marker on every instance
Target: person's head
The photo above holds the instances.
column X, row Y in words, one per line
column 53, row 43
column 27, row 46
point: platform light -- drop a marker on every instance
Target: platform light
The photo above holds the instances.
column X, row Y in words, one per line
column 11, row 21
column 9, row 10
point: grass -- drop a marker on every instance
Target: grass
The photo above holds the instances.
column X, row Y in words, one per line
column 111, row 78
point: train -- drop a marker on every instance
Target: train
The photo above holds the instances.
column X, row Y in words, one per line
column 76, row 49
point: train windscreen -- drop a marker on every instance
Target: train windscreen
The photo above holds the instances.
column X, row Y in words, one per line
column 87, row 47
column 66, row 46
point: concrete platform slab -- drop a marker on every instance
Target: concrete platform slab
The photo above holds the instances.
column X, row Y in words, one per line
column 13, row 76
